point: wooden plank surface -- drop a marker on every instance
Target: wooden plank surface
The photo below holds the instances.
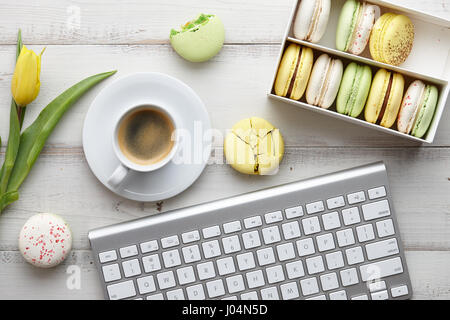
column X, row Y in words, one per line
column 233, row 86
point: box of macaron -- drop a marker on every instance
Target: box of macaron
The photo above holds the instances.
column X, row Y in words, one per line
column 370, row 63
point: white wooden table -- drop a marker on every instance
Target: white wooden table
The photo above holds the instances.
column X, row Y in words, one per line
column 86, row 37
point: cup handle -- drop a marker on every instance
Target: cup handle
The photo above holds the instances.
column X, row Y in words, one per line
column 118, row 175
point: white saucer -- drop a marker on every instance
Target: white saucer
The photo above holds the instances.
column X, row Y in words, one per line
column 146, row 88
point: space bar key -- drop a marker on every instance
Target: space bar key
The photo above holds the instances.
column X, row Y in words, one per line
column 381, row 269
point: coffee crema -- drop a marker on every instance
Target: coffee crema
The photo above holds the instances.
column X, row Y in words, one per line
column 145, row 136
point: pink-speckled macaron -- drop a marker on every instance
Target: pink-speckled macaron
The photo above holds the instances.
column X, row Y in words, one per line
column 45, row 240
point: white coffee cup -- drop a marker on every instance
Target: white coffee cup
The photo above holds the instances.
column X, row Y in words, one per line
column 121, row 172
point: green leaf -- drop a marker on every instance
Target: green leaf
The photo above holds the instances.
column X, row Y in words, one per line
column 8, row 198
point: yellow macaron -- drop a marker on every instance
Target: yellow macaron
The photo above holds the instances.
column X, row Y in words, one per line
column 392, row 39
column 294, row 71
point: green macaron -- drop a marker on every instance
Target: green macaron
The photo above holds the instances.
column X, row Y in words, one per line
column 426, row 112
column 354, row 89
column 200, row 39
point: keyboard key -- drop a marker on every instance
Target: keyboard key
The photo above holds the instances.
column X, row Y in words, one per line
column 331, row 221
column 146, row 284
column 376, row 210
column 289, row 291
column 345, row 237
column 376, row 193
column 309, row 286
column 157, row 296
column 131, row 268
column 211, row 232
column 338, row 295
column 399, row 291
column 294, row 212
column 191, row 254
column 231, row 227
column 245, row 261
column 255, row 279
column 354, row 255
column 295, row 270
column 377, row 286
column 334, row 260
column 311, row 225
column 166, row 280
column 195, row 292
column 230, row 298
column 382, row 249
column 265, row 256
column 107, row 256
column 273, row 217
column 215, row 288
column 315, row 265
column 305, row 247
column 169, row 242
column 249, row 296
column 329, row 281
column 349, row 277
column 129, row 251
column 385, row 228
column 252, row 222
column 151, row 263
column 357, row 197
column 186, row 275
column 382, row 295
column 225, row 266
column 381, row 269
column 351, row 216
column 270, row 293
column 361, row 297
column 206, row 270
column 291, row 230
column 121, row 290
column 171, row 258
column 190, row 236
column 111, row 272
column 235, row 284
column 275, row 274
column 365, row 233
column 271, row 235
column 149, row 246
column 315, row 207
column 325, row 242
column 231, row 244
column 321, row 297
column 211, row 249
column 336, row 202
column 175, row 294
column 251, row 240
column 285, row 251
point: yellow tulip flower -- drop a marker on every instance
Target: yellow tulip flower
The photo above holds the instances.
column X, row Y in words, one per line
column 25, row 83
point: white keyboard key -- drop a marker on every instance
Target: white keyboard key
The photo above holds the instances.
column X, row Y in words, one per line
column 211, row 249
column 186, row 275
column 336, row 202
column 149, row 246
column 329, row 281
column 382, row 249
column 286, row 251
column 151, row 263
column 309, row 286
column 377, row 286
column 295, row 270
column 191, row 254
column 381, row 269
column 399, row 291
column 245, row 261
column 345, row 237
column 255, row 279
column 291, row 230
column 356, row 197
column 315, row 265
column 169, row 242
column 315, row 207
column 289, row 291
column 354, row 255
column 166, row 280
column 206, row 270
column 321, row 297
column 273, row 217
column 351, row 216
column 231, row 227
column 271, row 235
column 265, row 256
column 376, row 210
column 146, row 284
column 349, row 277
column 175, row 294
column 211, row 232
column 157, row 296
column 361, row 297
column 252, row 222
column 195, row 292
column 249, row 296
column 294, row 212
column 305, row 247
column 365, row 233
column 376, row 193
column 231, row 244
column 270, row 293
column 226, row 266
column 325, row 242
column 382, row 295
column 111, row 272
column 230, row 298
column 334, row 260
column 235, row 284
column 215, row 288
column 129, row 251
column 107, row 256
column 385, row 228
column 121, row 290
column 311, row 225
column 131, row 268
column 171, row 258
column 251, row 240
column 190, row 236
column 338, row 295
column 275, row 274
column 331, row 221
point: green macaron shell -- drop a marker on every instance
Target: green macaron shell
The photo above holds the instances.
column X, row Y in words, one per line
column 347, row 24
column 354, row 89
column 199, row 40
column 426, row 112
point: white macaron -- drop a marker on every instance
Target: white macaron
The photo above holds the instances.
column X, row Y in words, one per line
column 311, row 20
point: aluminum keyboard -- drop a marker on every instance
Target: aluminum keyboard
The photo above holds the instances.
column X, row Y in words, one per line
column 330, row 237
